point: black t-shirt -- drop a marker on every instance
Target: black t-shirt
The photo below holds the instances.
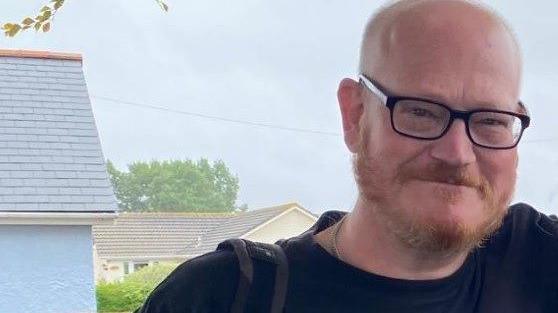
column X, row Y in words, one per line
column 515, row 271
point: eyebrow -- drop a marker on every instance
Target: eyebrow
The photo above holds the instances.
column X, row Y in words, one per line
column 431, row 97
column 477, row 105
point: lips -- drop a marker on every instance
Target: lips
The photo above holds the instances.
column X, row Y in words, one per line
column 450, row 190
column 453, row 183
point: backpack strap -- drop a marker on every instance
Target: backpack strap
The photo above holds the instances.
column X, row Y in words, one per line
column 246, row 274
column 273, row 253
column 247, row 251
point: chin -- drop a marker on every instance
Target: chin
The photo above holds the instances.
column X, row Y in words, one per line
column 467, row 213
column 442, row 226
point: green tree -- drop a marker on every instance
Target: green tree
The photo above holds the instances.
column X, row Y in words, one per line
column 175, row 186
column 44, row 18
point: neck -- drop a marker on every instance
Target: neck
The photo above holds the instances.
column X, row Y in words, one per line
column 365, row 242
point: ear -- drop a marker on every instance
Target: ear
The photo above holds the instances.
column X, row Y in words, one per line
column 351, row 105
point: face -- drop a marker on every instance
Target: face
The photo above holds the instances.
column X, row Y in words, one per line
column 442, row 195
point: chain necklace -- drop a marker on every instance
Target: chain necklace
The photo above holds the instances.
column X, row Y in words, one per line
column 333, row 238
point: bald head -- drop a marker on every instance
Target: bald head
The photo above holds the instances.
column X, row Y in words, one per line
column 422, row 20
column 413, row 41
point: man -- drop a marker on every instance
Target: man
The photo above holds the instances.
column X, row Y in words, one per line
column 434, row 122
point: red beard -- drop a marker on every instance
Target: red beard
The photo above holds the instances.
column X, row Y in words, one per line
column 428, row 235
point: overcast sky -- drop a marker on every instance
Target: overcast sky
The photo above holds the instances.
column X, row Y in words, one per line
column 270, row 62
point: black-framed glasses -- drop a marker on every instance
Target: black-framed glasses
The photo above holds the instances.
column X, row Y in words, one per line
column 428, row 120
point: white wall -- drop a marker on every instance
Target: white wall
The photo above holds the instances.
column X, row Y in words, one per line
column 113, row 270
column 288, row 225
column 109, row 271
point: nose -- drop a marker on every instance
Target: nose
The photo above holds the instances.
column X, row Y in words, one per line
column 454, row 148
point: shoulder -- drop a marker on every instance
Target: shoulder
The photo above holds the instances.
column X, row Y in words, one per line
column 203, row 284
column 527, row 232
column 520, row 258
column 523, row 217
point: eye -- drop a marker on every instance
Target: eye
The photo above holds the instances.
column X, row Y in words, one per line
column 493, row 122
column 421, row 112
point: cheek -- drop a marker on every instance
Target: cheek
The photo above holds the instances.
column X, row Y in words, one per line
column 392, row 153
column 500, row 169
column 383, row 140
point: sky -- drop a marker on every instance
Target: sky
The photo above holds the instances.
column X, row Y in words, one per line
column 224, row 71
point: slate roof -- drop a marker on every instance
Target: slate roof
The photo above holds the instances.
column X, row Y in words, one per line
column 50, row 153
column 140, row 235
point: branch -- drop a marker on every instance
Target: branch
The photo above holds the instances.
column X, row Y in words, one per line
column 46, row 15
column 40, row 23
column 163, row 5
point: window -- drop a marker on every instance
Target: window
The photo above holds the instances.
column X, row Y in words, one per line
column 138, row 266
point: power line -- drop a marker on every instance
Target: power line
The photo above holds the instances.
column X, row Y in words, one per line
column 250, row 123
column 540, row 140
column 219, row 118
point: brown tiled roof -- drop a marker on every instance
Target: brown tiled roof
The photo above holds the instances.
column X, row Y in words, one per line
column 237, row 226
column 144, row 235
column 158, row 235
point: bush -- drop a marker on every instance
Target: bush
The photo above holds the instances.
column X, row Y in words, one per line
column 130, row 294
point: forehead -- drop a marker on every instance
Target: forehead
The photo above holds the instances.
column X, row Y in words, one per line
column 464, row 59
column 475, row 91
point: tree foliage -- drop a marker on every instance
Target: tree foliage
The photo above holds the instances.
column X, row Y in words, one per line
column 43, row 20
column 175, row 186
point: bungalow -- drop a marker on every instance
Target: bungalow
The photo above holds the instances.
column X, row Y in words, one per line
column 53, row 184
column 136, row 240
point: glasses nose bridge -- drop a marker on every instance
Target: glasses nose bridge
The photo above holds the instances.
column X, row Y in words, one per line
column 459, row 115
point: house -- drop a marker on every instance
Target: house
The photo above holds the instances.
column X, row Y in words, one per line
column 136, row 240
column 53, row 184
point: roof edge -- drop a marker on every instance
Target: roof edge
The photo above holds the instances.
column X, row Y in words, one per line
column 178, row 214
column 146, row 257
column 57, row 218
column 38, row 54
column 291, row 207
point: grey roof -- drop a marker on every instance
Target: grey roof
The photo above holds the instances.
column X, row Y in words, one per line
column 142, row 235
column 50, row 153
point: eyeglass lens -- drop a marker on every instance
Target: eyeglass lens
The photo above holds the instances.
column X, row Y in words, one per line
column 429, row 120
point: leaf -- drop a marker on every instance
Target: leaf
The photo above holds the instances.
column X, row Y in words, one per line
column 58, row 4
column 26, row 27
column 47, row 14
column 14, row 30
column 46, row 27
column 37, row 26
column 163, row 5
column 7, row 26
column 28, row 21
column 45, row 8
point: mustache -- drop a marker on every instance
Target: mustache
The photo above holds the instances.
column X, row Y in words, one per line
column 444, row 173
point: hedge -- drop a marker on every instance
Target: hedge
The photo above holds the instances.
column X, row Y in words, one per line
column 130, row 294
